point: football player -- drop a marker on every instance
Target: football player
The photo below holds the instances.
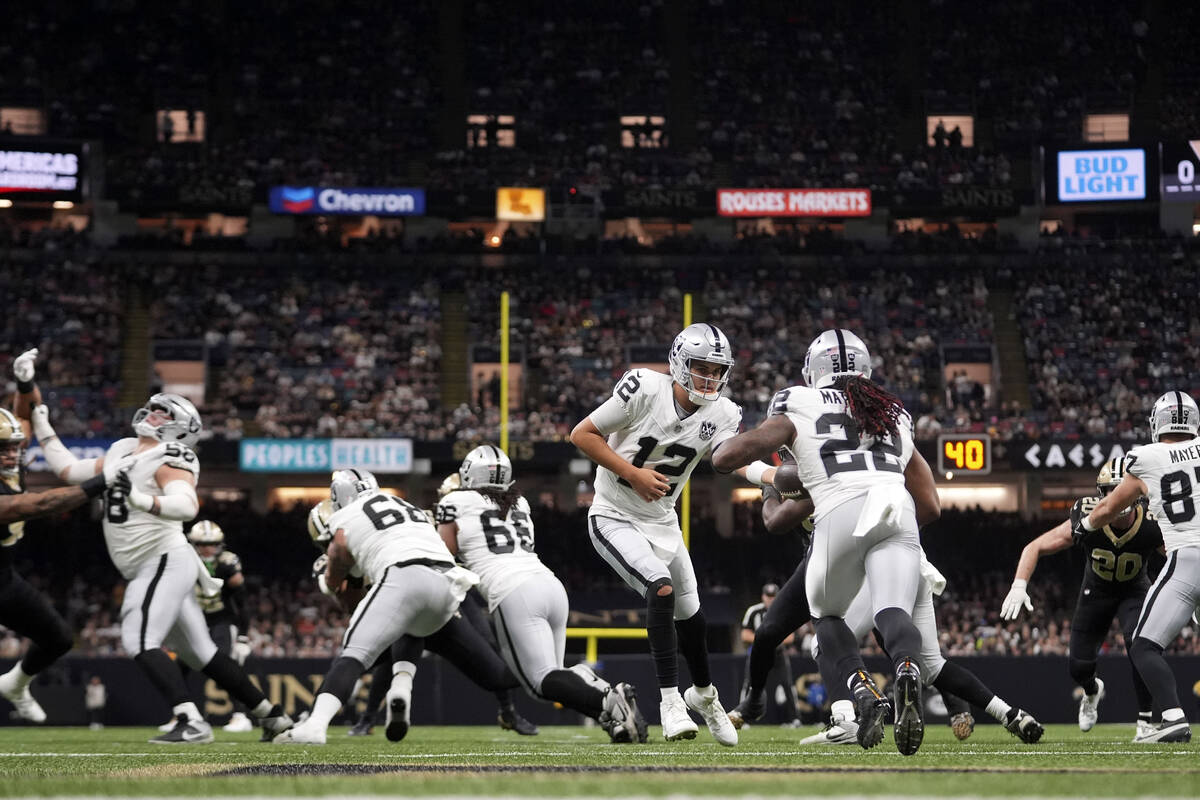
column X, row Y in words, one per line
column 415, row 590
column 143, row 530
column 22, row 609
column 487, row 525
column 1168, row 473
column 647, row 438
column 853, row 445
column 1114, row 584
column 224, row 613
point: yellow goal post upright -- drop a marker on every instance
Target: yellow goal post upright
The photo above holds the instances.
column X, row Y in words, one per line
column 685, row 496
column 504, row 371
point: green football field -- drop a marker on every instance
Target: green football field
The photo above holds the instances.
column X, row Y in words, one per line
column 573, row 761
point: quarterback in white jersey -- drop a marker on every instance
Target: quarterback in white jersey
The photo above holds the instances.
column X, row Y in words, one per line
column 487, row 525
column 143, row 529
column 1168, row 473
column 852, row 441
column 415, row 589
column 647, row 438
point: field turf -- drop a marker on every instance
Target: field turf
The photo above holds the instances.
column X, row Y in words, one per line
column 568, row 761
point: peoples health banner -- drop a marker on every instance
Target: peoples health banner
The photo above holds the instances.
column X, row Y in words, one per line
column 347, row 200
column 325, row 455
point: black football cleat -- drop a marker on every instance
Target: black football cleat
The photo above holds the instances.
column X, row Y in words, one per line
column 873, row 709
column 748, row 711
column 910, row 727
column 511, row 720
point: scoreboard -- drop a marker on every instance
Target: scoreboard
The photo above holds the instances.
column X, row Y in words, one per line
column 1180, row 164
column 969, row 453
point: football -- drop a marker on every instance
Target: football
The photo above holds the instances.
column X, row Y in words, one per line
column 787, row 481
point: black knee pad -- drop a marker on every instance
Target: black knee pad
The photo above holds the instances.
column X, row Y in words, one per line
column 656, row 601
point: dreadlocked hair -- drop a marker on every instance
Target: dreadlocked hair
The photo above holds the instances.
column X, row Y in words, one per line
column 875, row 409
column 505, row 498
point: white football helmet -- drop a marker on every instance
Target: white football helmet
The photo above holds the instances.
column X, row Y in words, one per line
column 318, row 524
column 348, row 484
column 168, row 418
column 700, row 341
column 12, row 439
column 1174, row 412
column 452, row 483
column 836, row 353
column 486, row 467
column 206, row 532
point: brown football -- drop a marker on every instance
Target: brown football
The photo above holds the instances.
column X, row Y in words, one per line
column 787, row 481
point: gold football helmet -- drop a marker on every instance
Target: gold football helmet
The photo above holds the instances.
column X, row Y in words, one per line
column 12, row 441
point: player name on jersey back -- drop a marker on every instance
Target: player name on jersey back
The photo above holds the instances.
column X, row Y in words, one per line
column 1171, row 472
column 835, row 462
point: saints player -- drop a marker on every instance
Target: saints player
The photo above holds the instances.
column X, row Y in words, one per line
column 415, row 590
column 854, row 451
column 143, row 529
column 1168, row 473
column 224, row 613
column 647, row 438
column 1114, row 584
column 487, row 525
column 22, row 609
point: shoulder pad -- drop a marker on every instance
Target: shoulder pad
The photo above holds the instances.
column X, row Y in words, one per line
column 790, row 399
column 446, row 510
column 180, row 456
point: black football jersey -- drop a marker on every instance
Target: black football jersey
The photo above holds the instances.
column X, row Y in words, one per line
column 11, row 533
column 226, row 604
column 1117, row 558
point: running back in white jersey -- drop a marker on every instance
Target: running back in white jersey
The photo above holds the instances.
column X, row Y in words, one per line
column 497, row 549
column 382, row 530
column 836, row 464
column 654, row 436
column 1171, row 472
column 133, row 536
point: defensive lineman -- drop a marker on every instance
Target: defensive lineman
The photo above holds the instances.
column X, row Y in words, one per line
column 143, row 529
column 1168, row 472
column 647, row 438
column 853, row 446
column 415, row 589
column 487, row 524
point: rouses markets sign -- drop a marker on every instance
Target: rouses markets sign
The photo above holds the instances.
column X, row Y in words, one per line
column 794, row 202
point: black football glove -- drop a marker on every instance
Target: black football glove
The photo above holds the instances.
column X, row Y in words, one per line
column 1079, row 512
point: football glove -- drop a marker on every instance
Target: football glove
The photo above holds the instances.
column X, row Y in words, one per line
column 1017, row 597
column 23, row 365
column 241, row 650
column 1079, row 513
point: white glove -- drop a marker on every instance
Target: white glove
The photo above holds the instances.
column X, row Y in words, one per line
column 23, row 365
column 39, row 416
column 323, row 586
column 138, row 499
column 241, row 650
column 1017, row 597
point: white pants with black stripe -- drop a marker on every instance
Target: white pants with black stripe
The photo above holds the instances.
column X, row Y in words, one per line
column 415, row 600
column 861, row 620
column 641, row 560
column 160, row 608
column 888, row 558
column 531, row 624
column 1172, row 599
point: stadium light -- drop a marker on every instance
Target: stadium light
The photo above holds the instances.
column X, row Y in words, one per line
column 63, row 205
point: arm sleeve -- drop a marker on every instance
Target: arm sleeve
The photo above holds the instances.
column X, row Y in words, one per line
column 178, row 501
column 65, row 464
column 610, row 416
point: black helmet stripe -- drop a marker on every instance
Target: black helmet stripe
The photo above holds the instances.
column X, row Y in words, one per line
column 1179, row 407
column 496, row 465
column 716, row 336
column 843, row 362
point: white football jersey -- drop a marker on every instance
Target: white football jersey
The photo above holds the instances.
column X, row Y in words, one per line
column 133, row 536
column 497, row 549
column 836, row 464
column 1171, row 472
column 656, row 437
column 382, row 530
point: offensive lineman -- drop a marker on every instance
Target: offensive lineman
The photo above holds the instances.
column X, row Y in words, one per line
column 1168, row 473
column 854, row 451
column 1114, row 584
column 487, row 525
column 143, row 529
column 415, row 590
column 647, row 438
column 22, row 609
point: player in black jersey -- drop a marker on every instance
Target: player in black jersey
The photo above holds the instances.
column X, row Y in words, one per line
column 1115, row 584
column 224, row 613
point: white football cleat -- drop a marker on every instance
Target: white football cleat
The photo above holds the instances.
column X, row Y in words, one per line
column 239, row 723
column 1089, row 707
column 1144, row 730
column 714, row 715
column 838, row 731
column 301, row 734
column 28, row 708
column 186, row 731
column 1178, row 732
column 676, row 723
column 398, row 703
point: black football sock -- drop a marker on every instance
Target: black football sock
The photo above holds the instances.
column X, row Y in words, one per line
column 1083, row 672
column 165, row 676
column 901, row 635
column 957, row 680
column 660, row 631
column 570, row 689
column 1148, row 658
column 692, row 633
column 839, row 648
column 341, row 678
column 233, row 679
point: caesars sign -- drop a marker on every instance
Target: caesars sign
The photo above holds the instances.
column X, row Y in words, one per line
column 794, row 202
column 42, row 170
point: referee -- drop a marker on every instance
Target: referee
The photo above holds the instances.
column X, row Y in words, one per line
column 781, row 670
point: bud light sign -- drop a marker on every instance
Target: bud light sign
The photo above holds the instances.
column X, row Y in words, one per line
column 1085, row 175
column 350, row 200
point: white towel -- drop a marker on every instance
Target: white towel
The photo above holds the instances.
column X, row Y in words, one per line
column 883, row 507
column 931, row 575
column 461, row 581
column 209, row 586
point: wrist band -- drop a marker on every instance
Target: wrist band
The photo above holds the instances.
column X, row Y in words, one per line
column 25, row 387
column 94, row 486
